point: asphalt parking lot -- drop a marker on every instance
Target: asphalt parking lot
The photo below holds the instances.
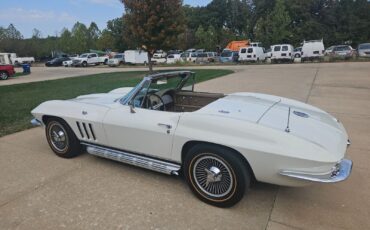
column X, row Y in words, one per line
column 41, row 191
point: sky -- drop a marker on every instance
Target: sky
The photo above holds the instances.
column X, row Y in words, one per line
column 51, row 16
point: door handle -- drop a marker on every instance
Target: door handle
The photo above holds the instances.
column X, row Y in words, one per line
column 165, row 125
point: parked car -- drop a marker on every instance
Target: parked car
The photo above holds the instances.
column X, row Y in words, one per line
column 6, row 71
column 57, row 61
column 268, row 53
column 173, row 58
column 328, row 51
column 87, row 59
column 342, row 51
column 313, row 49
column 117, row 60
column 205, row 57
column 252, row 53
column 214, row 56
column 229, row 56
column 136, row 57
column 189, row 56
column 363, row 50
column 220, row 143
column 160, row 54
column 158, row 60
column 297, row 52
column 281, row 53
column 68, row 63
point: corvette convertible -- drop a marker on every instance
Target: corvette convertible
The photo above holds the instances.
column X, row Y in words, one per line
column 219, row 143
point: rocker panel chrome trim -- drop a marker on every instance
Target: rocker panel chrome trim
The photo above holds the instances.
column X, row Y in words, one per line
column 133, row 159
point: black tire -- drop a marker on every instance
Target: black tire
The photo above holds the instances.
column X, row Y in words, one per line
column 4, row 76
column 68, row 145
column 84, row 64
column 216, row 175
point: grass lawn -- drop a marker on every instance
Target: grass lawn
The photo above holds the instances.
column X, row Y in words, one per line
column 17, row 101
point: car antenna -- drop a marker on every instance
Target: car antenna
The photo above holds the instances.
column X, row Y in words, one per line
column 287, row 126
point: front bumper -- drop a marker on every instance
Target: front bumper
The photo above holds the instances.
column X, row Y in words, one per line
column 339, row 173
column 36, row 122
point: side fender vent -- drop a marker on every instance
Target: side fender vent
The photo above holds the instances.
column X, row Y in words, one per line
column 86, row 130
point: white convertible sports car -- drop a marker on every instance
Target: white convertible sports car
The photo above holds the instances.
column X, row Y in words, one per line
column 218, row 142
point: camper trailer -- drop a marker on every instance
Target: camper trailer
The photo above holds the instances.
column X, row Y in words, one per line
column 136, row 57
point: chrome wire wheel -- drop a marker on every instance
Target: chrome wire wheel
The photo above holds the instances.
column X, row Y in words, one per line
column 58, row 137
column 213, row 176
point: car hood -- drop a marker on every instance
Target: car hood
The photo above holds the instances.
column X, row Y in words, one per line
column 103, row 98
column 290, row 116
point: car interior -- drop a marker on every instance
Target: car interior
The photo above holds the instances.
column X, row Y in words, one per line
column 174, row 94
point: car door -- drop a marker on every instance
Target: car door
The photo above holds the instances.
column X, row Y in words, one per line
column 92, row 59
column 141, row 131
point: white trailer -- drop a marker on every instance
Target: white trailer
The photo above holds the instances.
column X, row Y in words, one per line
column 136, row 57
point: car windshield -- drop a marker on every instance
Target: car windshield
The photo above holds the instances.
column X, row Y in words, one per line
column 202, row 55
column 183, row 82
column 341, row 48
column 364, row 46
column 83, row 55
column 226, row 54
column 118, row 56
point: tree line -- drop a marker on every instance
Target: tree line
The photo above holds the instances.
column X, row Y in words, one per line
column 214, row 25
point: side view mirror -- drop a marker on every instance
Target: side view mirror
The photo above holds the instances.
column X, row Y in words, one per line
column 132, row 110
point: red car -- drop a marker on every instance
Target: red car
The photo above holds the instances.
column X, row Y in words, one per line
column 6, row 71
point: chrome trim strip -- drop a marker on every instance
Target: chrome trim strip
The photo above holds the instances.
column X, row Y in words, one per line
column 339, row 173
column 36, row 122
column 132, row 159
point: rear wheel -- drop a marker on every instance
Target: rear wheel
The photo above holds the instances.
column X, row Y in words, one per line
column 216, row 175
column 62, row 139
column 4, row 75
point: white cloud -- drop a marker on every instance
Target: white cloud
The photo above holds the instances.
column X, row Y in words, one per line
column 20, row 15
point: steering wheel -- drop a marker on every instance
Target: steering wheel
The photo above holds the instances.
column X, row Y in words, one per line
column 155, row 102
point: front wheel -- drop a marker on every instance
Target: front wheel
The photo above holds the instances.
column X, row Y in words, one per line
column 216, row 175
column 84, row 64
column 4, row 76
column 62, row 139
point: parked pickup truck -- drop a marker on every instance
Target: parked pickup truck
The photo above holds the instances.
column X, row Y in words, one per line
column 87, row 59
column 11, row 58
column 6, row 71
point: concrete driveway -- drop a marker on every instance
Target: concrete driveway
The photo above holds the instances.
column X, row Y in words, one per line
column 41, row 191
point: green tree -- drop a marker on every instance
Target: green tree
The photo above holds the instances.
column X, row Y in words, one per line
column 13, row 33
column 66, row 41
column 106, row 40
column 93, row 35
column 275, row 27
column 154, row 24
column 80, row 35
